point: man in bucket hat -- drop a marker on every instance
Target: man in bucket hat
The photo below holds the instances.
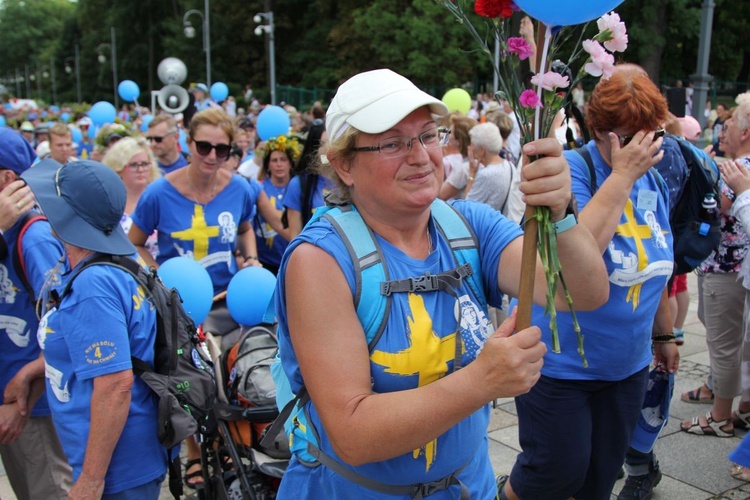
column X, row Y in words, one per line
column 31, row 452
column 99, row 408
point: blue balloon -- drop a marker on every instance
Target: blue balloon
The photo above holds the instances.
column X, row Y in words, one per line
column 102, row 113
column 43, row 114
column 249, row 293
column 2, row 121
column 570, row 12
column 273, row 121
column 219, row 91
column 54, row 109
column 65, row 117
column 183, row 141
column 146, row 119
column 77, row 135
column 128, row 90
column 93, row 130
column 193, row 282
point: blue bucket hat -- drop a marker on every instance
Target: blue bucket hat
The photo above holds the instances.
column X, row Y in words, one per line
column 84, row 202
column 655, row 411
column 16, row 153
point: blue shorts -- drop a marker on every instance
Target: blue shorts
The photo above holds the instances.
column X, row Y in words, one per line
column 574, row 435
column 147, row 491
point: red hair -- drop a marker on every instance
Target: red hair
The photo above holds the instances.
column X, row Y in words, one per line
column 628, row 99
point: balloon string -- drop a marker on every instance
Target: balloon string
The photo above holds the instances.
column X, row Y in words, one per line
column 542, row 62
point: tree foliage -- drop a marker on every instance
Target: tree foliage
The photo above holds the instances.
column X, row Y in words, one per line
column 319, row 43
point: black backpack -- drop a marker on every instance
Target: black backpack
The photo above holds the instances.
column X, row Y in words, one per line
column 694, row 238
column 183, row 374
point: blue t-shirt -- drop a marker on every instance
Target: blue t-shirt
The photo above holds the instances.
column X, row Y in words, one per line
column 270, row 245
column 178, row 163
column 293, row 197
column 18, row 321
column 206, row 233
column 409, row 355
column 639, row 262
column 101, row 323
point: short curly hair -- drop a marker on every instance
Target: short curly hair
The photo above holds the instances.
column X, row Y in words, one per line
column 119, row 155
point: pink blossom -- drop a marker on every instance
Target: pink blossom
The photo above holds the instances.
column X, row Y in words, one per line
column 601, row 63
column 519, row 46
column 612, row 32
column 551, row 81
column 529, row 99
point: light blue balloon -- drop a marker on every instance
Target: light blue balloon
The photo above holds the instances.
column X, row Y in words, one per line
column 102, row 113
column 65, row 117
column 128, row 90
column 146, row 119
column 249, row 293
column 93, row 130
column 183, row 142
column 219, row 91
column 44, row 114
column 568, row 13
column 273, row 121
column 77, row 135
column 54, row 109
column 194, row 284
column 2, row 121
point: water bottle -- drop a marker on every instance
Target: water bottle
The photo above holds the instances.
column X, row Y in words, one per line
column 709, row 214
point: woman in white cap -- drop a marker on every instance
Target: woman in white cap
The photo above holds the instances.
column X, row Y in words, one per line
column 397, row 418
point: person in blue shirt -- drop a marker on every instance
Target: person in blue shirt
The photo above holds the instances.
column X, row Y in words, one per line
column 105, row 416
column 279, row 157
column 163, row 137
column 575, row 425
column 30, row 449
column 402, row 417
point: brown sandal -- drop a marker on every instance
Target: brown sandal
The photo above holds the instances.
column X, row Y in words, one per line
column 712, row 427
column 740, row 472
column 701, row 395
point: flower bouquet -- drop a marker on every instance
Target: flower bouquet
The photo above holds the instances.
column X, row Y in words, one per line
column 536, row 104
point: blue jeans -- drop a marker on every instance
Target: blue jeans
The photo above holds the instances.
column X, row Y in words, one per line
column 574, row 435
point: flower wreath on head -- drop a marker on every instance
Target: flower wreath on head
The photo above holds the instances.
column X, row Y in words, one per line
column 288, row 144
column 108, row 131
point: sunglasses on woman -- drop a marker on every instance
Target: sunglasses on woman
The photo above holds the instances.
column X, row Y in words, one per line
column 625, row 140
column 204, row 149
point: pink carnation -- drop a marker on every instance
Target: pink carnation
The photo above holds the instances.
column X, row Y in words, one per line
column 551, row 81
column 529, row 99
column 612, row 32
column 518, row 45
column 601, row 62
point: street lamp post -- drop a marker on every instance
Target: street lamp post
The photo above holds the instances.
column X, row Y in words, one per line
column 69, row 70
column 54, row 82
column 190, row 33
column 113, row 54
column 18, row 84
column 268, row 29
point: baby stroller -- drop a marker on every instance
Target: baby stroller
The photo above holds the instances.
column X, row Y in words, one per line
column 240, row 468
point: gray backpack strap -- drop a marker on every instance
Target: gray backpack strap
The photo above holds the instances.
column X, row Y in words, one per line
column 416, row 491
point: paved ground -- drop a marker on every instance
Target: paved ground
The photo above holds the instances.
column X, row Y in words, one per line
column 694, row 467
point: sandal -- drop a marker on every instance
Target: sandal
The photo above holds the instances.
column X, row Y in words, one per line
column 740, row 472
column 740, row 420
column 197, row 474
column 712, row 427
column 226, row 460
column 701, row 395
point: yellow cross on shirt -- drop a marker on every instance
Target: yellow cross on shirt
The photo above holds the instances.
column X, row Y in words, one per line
column 199, row 232
column 631, row 229
column 427, row 356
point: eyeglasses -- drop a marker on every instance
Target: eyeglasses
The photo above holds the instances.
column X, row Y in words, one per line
column 393, row 147
column 139, row 165
column 625, row 140
column 155, row 138
column 204, row 149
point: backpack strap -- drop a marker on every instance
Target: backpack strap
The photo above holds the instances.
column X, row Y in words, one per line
column 19, row 263
column 593, row 187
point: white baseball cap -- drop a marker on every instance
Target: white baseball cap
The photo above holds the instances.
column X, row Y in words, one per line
column 374, row 101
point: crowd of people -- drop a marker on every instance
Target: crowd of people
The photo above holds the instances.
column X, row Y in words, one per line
column 395, row 160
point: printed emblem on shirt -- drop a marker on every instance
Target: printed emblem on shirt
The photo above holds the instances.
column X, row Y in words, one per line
column 55, row 378
column 7, row 290
column 100, row 352
column 228, row 227
column 16, row 330
column 635, row 268
column 199, row 233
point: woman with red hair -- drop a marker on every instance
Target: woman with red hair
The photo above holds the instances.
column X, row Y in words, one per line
column 576, row 423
